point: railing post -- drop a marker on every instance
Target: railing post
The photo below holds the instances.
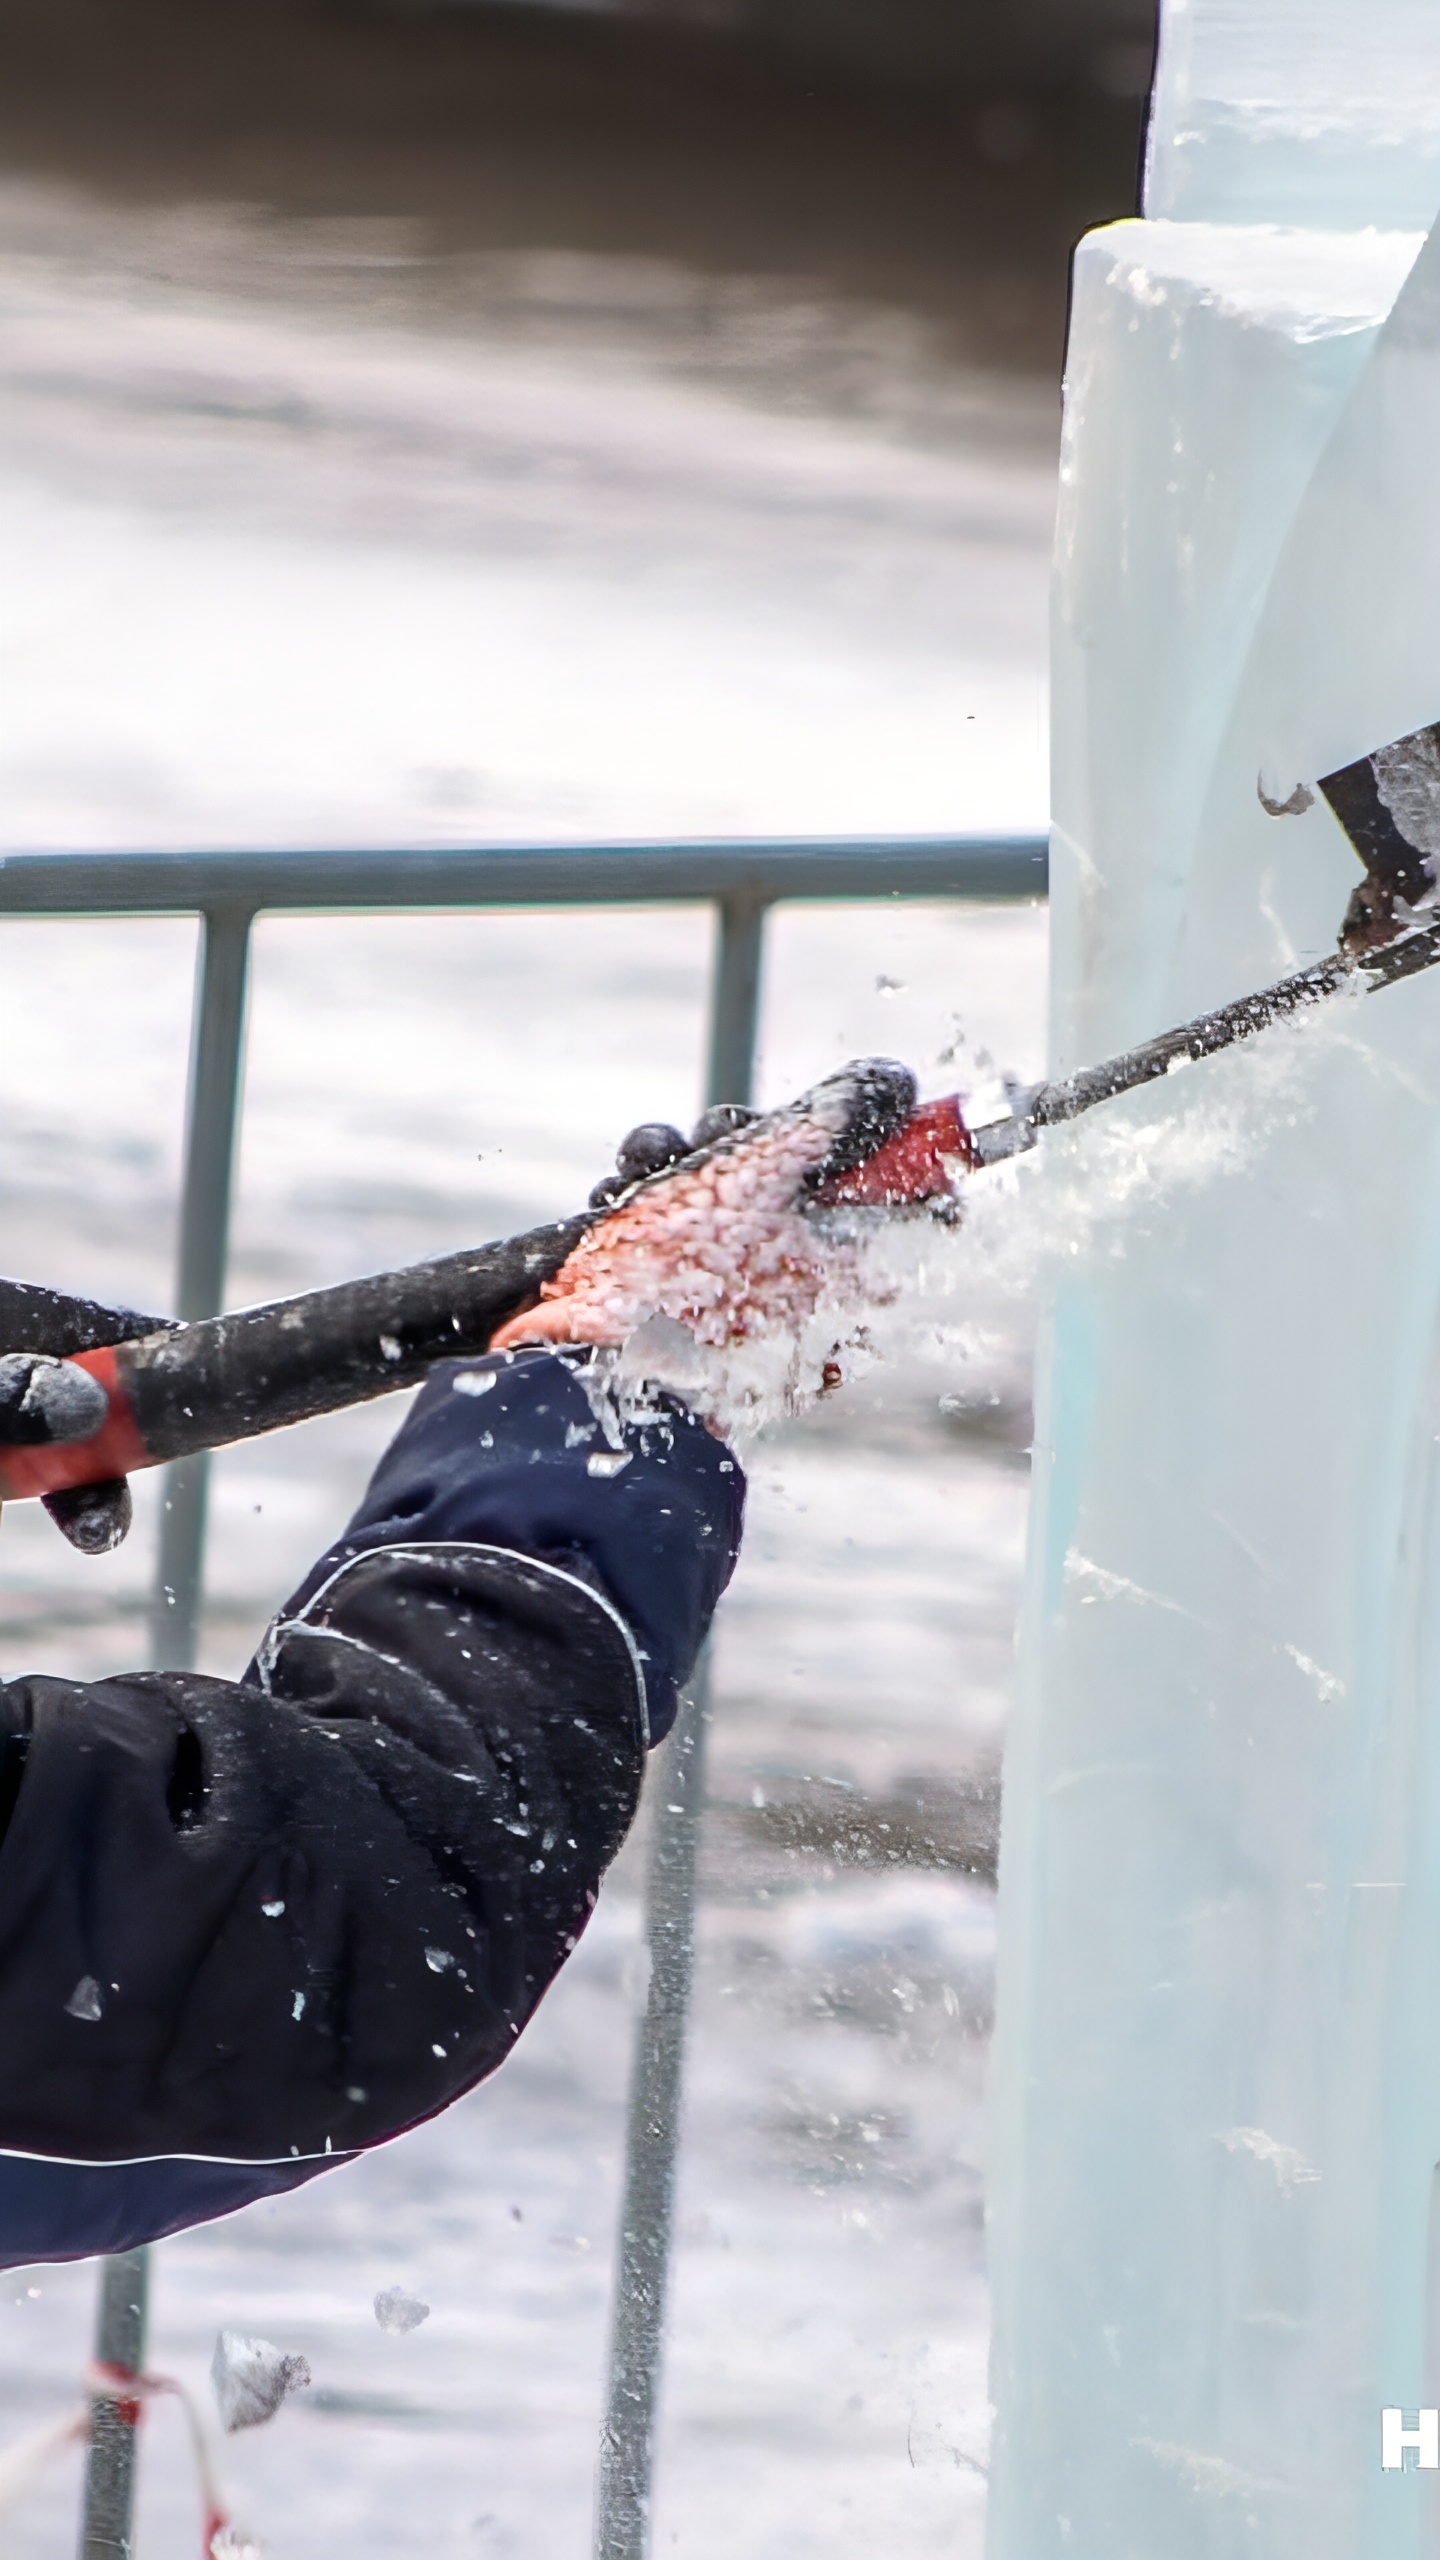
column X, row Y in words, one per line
column 212, row 1117
column 107, row 2530
column 735, row 997
column 212, row 1111
column 637, row 2321
column 652, row 2127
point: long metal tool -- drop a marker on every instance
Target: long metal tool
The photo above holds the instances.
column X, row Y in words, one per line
column 199, row 1386
column 1045, row 1106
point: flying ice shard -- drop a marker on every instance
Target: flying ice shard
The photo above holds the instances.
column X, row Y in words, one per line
column 252, row 2379
column 399, row 2312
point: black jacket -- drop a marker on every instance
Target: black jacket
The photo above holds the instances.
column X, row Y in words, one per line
column 247, row 1927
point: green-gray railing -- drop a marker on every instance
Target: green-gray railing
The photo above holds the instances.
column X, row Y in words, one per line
column 741, row 881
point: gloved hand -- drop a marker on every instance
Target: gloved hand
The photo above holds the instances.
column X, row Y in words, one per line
column 43, row 1401
column 722, row 1235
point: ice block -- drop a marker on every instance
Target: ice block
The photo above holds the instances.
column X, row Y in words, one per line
column 1324, row 113
column 1216, row 2089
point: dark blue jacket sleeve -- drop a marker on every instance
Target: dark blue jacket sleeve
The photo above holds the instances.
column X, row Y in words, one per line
column 507, row 1451
column 247, row 1927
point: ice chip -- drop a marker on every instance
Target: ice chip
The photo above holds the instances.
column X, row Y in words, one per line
column 607, row 1462
column 472, row 1382
column 251, row 2378
column 87, row 2000
column 398, row 2312
column 663, row 1351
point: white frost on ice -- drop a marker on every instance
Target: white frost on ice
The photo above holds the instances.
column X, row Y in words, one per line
column 1117, row 1586
column 1326, row 1684
column 1291, row 2167
column 1209, row 2474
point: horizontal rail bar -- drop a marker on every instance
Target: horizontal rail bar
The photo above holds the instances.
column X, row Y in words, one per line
column 967, row 867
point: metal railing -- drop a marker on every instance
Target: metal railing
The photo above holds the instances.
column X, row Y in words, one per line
column 741, row 881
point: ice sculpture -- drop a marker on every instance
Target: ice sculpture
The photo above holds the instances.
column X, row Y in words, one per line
column 1215, row 2241
column 1317, row 112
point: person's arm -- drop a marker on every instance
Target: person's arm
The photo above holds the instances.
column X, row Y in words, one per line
column 260, row 1920
column 277, row 1919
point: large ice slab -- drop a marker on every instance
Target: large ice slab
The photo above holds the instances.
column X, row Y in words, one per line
column 1208, row 366
column 1217, row 2081
column 1297, row 111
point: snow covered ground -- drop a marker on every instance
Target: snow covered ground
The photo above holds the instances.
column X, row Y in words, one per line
column 290, row 560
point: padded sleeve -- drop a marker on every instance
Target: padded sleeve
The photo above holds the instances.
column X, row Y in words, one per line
column 285, row 1917
column 262, row 1922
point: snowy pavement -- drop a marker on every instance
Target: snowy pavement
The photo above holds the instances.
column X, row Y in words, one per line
column 283, row 573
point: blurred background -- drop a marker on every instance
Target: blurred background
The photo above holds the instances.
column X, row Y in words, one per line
column 459, row 424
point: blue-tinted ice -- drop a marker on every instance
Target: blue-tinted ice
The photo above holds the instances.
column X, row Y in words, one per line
column 1218, row 2068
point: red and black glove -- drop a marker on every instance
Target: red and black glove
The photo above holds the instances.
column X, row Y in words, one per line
column 724, row 1235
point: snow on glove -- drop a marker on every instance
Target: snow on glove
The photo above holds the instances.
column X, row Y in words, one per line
column 45, row 1401
column 706, row 1272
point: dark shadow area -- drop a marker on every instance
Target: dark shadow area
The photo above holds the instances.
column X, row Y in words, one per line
column 497, row 129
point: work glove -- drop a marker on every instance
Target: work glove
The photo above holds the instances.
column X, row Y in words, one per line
column 732, row 1238
column 45, row 1401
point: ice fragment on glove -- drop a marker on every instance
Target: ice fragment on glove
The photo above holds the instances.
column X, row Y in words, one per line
column 252, row 2379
